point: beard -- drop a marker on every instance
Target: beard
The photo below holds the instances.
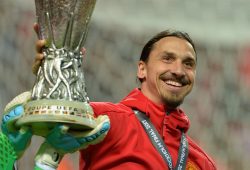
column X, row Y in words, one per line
column 172, row 99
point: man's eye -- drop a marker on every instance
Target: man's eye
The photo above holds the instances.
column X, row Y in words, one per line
column 190, row 64
column 167, row 58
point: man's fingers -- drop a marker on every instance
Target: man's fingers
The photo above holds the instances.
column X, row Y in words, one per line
column 39, row 57
column 36, row 29
column 35, row 67
column 39, row 45
column 37, row 63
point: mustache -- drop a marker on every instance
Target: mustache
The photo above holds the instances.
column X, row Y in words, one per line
column 180, row 79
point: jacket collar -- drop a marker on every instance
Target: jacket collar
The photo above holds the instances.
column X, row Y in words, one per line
column 159, row 114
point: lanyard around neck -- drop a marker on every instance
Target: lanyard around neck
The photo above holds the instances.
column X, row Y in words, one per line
column 160, row 145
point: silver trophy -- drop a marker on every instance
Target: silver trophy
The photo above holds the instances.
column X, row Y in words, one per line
column 59, row 93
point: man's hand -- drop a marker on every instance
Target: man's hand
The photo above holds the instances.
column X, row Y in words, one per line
column 40, row 44
column 65, row 142
column 19, row 138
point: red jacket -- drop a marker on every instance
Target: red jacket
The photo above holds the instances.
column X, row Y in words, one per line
column 127, row 146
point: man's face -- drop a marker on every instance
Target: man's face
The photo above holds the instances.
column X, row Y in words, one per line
column 169, row 74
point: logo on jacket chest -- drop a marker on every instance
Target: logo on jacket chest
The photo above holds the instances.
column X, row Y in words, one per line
column 192, row 166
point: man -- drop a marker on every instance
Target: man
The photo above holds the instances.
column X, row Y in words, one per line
column 166, row 70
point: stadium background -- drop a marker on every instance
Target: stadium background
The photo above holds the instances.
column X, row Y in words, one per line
column 219, row 105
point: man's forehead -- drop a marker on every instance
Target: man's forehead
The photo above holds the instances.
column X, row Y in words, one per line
column 171, row 43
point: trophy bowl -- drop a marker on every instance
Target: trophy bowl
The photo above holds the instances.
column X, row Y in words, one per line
column 59, row 93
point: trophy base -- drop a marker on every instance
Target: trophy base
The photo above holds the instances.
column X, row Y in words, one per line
column 43, row 115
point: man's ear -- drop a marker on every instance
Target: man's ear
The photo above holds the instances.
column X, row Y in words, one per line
column 141, row 70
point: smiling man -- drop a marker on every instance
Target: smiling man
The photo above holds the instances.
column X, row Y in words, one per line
column 167, row 74
column 166, row 70
column 148, row 130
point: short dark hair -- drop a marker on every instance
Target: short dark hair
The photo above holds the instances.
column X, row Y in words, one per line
column 167, row 33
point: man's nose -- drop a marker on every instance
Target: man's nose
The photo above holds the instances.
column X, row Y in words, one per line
column 178, row 69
